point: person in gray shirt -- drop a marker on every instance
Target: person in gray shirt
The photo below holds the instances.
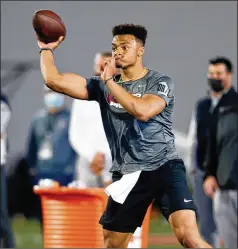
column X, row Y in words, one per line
column 136, row 108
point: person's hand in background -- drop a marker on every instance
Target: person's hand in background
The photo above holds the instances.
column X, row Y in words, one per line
column 98, row 163
column 210, row 186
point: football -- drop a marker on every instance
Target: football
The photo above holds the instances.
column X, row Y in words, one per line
column 48, row 26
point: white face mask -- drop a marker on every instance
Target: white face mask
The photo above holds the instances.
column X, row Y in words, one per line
column 54, row 100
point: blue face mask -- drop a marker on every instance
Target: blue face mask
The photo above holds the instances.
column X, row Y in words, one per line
column 54, row 100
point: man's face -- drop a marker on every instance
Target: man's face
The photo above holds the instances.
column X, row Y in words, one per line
column 211, row 73
column 219, row 72
column 53, row 100
column 99, row 63
column 126, row 50
column 223, row 75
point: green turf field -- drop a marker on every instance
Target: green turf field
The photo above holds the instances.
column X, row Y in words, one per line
column 28, row 234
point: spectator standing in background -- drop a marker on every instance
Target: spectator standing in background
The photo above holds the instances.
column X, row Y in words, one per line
column 6, row 235
column 221, row 163
column 49, row 153
column 202, row 119
column 93, row 170
column 99, row 62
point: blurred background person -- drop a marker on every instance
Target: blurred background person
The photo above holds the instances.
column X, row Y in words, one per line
column 20, row 193
column 93, row 173
column 99, row 62
column 202, row 118
column 92, row 166
column 6, row 235
column 221, row 163
column 49, row 153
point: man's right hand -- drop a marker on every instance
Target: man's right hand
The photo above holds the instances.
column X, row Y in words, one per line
column 210, row 186
column 52, row 45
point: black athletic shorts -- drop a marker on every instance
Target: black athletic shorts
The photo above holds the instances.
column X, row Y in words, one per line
column 167, row 185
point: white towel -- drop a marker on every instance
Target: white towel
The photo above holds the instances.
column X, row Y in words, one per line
column 119, row 190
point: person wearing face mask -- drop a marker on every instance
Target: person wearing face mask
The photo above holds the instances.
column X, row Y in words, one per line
column 49, row 152
column 221, row 155
column 200, row 123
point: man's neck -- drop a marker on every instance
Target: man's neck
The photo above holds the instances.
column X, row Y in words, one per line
column 216, row 95
column 132, row 73
column 226, row 90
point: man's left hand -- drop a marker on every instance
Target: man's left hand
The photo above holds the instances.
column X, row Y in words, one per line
column 109, row 70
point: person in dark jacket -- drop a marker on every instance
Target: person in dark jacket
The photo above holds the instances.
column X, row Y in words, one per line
column 49, row 153
column 21, row 198
column 221, row 163
column 202, row 118
column 6, row 234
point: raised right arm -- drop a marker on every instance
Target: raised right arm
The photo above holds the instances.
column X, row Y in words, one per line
column 69, row 84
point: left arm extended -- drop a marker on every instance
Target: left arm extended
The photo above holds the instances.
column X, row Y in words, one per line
column 141, row 108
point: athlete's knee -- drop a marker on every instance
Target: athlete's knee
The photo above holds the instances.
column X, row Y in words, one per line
column 116, row 240
column 188, row 236
column 185, row 228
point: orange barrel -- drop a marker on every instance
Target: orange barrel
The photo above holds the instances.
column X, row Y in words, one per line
column 71, row 215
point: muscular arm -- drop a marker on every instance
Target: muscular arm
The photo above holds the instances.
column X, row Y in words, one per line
column 69, row 84
column 141, row 108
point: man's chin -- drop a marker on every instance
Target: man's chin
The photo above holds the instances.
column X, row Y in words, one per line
column 119, row 65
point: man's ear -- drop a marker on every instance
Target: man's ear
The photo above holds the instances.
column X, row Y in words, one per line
column 141, row 51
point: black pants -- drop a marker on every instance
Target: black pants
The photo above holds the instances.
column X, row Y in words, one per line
column 6, row 235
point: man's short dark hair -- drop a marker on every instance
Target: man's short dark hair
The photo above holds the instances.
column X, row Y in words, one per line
column 138, row 31
column 222, row 60
column 211, row 62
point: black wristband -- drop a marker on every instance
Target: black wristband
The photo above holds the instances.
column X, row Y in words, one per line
column 111, row 78
column 46, row 49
